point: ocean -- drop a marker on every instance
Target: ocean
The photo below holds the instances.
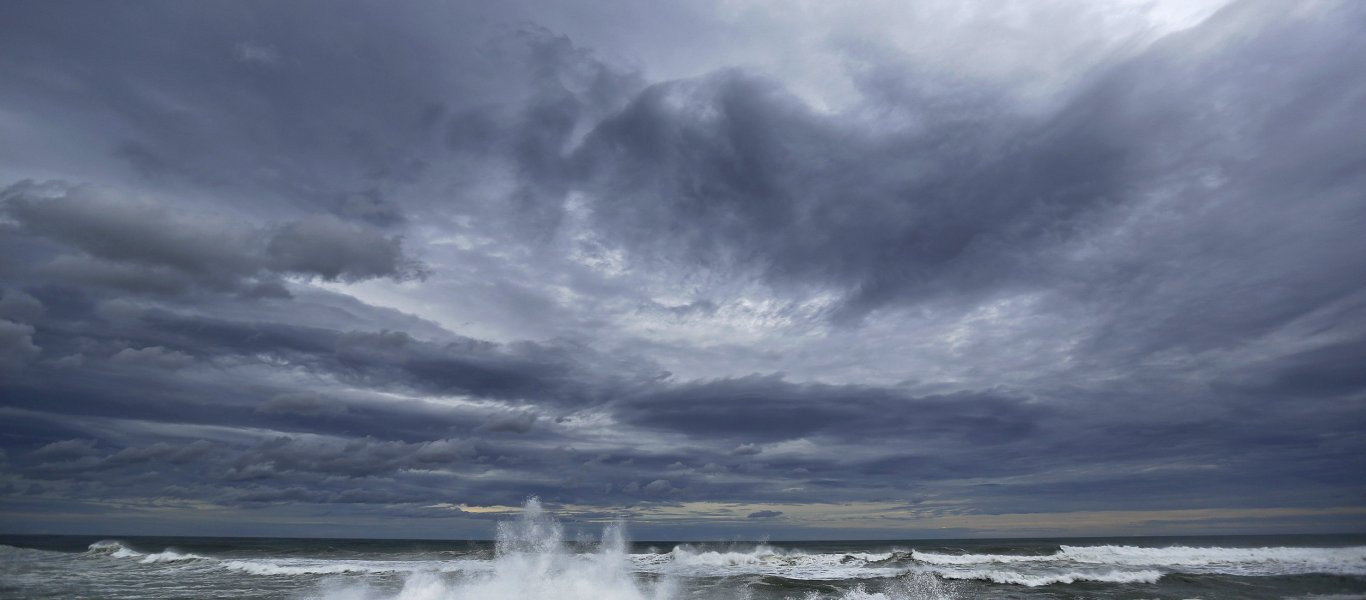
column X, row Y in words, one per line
column 531, row 560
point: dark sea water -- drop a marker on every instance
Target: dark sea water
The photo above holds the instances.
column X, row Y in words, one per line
column 530, row 561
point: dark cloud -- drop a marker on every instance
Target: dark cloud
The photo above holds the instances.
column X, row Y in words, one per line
column 764, row 183
column 147, row 246
column 16, row 345
column 153, row 356
column 336, row 250
column 302, row 403
column 19, row 306
column 486, row 252
column 974, row 195
column 767, row 408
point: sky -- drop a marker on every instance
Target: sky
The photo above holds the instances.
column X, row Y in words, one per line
column 728, row 269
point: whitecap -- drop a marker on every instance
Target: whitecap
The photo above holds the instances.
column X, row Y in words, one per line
column 1232, row 561
column 1050, row 578
column 533, row 562
column 688, row 560
column 113, row 548
column 1236, row 561
column 170, row 556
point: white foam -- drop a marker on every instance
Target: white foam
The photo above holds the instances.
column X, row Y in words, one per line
column 1233, row 561
column 914, row 586
column 1051, row 578
column 1329, row 597
column 116, row 549
column 979, row 559
column 1237, row 561
column 113, row 548
column 287, row 566
column 532, row 563
column 169, row 556
column 866, row 557
column 687, row 556
column 687, row 560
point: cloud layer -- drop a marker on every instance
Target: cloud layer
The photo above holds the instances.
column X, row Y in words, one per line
column 835, row 280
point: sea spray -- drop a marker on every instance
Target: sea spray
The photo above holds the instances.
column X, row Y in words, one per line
column 532, row 562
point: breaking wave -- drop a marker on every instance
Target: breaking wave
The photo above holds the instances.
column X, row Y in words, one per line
column 532, row 561
column 1232, row 561
column 763, row 559
column 170, row 556
column 116, row 549
column 1038, row 579
column 340, row 567
column 286, row 566
column 112, row 548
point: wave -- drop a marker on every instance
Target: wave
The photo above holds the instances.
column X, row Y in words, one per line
column 339, row 567
column 979, row 559
column 684, row 560
column 1232, row 561
column 170, row 556
column 8, row 552
column 531, row 561
column 1038, row 579
column 763, row 559
column 1283, row 560
column 913, row 586
column 116, row 549
column 112, row 548
column 871, row 558
column 685, row 555
column 285, row 566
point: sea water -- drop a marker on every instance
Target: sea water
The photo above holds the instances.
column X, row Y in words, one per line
column 532, row 560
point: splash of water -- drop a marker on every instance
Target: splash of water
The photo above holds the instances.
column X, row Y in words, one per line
column 532, row 562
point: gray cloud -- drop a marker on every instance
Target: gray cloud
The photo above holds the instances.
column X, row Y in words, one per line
column 19, row 306
column 16, row 345
column 501, row 251
column 154, row 356
column 148, row 246
column 333, row 249
column 302, row 403
column 769, row 408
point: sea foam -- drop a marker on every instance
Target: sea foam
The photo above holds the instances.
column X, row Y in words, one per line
column 1051, row 578
column 1232, row 561
column 531, row 562
column 689, row 560
column 116, row 549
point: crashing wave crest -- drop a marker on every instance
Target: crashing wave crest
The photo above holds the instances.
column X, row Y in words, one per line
column 116, row 549
column 1038, row 579
column 532, row 561
column 1235, row 561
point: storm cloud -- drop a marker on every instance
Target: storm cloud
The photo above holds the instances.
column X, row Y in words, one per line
column 722, row 274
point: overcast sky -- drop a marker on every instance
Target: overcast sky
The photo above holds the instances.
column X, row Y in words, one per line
column 722, row 269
